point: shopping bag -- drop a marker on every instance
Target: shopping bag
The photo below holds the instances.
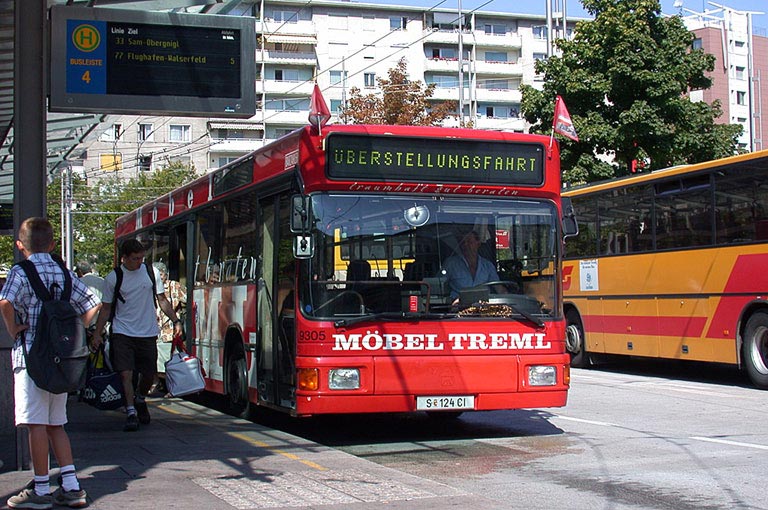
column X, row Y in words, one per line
column 103, row 386
column 183, row 372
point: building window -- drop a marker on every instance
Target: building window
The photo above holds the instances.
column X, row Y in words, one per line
column 286, row 16
column 337, row 51
column 495, row 56
column 145, row 163
column 397, row 23
column 180, row 133
column 697, row 44
column 226, row 160
column 497, row 84
column 539, row 32
column 337, row 21
column 444, row 53
column 495, row 29
column 741, row 97
column 335, row 106
column 146, row 133
column 369, row 23
column 287, row 75
column 370, row 80
column 739, row 73
column 112, row 162
column 113, row 133
column 539, row 56
column 337, row 77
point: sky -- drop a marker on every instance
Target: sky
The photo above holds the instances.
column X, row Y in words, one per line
column 574, row 7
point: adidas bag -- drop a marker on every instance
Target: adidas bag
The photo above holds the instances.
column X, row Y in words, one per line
column 59, row 353
column 103, row 386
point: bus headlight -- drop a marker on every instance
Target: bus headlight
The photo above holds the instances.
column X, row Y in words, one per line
column 542, row 375
column 344, row 379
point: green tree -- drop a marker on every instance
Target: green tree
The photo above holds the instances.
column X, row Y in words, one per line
column 95, row 209
column 401, row 101
column 625, row 77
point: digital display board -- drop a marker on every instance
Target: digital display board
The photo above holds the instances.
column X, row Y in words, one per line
column 112, row 61
column 411, row 159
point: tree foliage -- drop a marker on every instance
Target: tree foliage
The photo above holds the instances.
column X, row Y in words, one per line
column 625, row 77
column 95, row 209
column 400, row 101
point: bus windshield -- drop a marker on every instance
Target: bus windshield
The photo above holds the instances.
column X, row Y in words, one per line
column 397, row 255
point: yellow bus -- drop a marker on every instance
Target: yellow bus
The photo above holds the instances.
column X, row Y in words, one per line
column 672, row 264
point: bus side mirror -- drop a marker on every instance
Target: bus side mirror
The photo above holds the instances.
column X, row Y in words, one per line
column 299, row 214
column 570, row 226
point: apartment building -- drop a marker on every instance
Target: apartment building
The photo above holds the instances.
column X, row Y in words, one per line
column 340, row 45
column 740, row 77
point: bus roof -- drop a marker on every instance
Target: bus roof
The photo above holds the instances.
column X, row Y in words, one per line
column 280, row 157
column 662, row 173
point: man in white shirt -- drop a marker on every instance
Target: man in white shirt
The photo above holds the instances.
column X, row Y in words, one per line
column 134, row 330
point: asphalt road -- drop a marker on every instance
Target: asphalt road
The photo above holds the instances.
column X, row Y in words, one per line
column 633, row 436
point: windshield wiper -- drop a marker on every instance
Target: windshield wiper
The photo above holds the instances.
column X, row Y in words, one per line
column 393, row 316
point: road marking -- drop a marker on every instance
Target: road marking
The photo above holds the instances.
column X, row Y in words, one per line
column 591, row 422
column 730, row 443
column 262, row 444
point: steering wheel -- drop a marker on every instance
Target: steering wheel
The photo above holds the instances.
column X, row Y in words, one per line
column 511, row 286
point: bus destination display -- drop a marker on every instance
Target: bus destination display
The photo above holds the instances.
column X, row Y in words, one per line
column 396, row 159
column 111, row 61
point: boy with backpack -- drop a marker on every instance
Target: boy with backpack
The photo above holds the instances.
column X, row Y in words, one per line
column 41, row 411
column 128, row 302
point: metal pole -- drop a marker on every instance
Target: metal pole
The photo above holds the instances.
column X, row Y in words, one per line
column 461, row 66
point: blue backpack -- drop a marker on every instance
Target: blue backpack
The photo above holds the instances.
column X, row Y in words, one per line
column 57, row 360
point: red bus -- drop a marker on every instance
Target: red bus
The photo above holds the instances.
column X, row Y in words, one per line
column 669, row 265
column 316, row 270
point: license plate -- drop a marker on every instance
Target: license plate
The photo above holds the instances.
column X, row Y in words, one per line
column 445, row 402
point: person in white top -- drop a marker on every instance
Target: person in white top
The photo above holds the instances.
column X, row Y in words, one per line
column 134, row 330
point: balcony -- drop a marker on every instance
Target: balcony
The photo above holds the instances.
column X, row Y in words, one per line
column 285, row 87
column 498, row 95
column 496, row 40
column 301, row 28
column 295, row 118
column 444, row 36
column 286, row 57
column 234, row 145
column 495, row 68
column 500, row 124
column 442, row 65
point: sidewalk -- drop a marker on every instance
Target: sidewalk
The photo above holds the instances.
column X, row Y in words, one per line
column 191, row 458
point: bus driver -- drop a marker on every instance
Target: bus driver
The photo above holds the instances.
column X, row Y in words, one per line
column 468, row 269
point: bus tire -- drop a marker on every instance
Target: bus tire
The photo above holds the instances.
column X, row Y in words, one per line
column 756, row 349
column 238, row 400
column 575, row 340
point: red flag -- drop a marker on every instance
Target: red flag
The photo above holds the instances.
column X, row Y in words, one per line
column 562, row 122
column 319, row 114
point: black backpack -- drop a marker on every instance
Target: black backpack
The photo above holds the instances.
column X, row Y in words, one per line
column 57, row 360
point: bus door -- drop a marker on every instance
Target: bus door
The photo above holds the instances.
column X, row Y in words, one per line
column 275, row 316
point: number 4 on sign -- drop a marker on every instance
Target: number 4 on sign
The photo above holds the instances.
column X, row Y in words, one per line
column 86, row 77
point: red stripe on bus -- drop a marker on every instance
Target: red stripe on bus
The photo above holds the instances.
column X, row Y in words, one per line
column 645, row 325
column 746, row 276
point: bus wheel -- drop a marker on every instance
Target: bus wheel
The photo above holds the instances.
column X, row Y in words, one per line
column 237, row 383
column 574, row 340
column 756, row 349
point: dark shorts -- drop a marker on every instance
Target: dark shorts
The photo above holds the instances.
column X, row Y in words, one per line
column 133, row 353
